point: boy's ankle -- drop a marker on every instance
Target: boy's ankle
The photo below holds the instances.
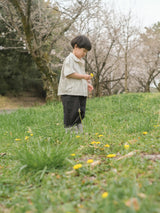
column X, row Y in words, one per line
column 72, row 129
column 80, row 128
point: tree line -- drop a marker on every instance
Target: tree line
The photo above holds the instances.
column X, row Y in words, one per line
column 35, row 37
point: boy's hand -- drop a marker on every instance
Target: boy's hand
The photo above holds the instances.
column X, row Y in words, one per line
column 87, row 77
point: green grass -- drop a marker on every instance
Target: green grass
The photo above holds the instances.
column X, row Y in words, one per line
column 36, row 172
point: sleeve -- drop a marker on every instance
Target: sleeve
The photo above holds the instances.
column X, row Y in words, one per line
column 68, row 67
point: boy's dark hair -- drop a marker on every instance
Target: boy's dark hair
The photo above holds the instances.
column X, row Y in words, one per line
column 82, row 42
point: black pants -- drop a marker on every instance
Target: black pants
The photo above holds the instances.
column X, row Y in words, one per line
column 74, row 109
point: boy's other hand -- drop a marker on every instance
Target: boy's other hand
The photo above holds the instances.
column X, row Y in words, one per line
column 90, row 87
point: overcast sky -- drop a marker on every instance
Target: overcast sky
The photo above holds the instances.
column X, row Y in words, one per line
column 146, row 11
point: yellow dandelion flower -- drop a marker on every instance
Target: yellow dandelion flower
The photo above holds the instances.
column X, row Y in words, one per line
column 77, row 166
column 89, row 161
column 100, row 136
column 77, row 136
column 73, row 154
column 17, row 139
column 111, row 156
column 91, row 75
column 107, row 145
column 96, row 133
column 145, row 133
column 98, row 142
column 26, row 137
column 31, row 134
column 93, row 142
column 105, row 194
column 126, row 146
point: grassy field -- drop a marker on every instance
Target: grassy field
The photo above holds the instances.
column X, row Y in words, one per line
column 113, row 167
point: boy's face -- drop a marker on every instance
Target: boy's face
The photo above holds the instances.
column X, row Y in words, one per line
column 79, row 52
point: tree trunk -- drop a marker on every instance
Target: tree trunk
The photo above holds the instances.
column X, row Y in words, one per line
column 126, row 70
column 147, row 87
column 49, row 78
column 97, row 86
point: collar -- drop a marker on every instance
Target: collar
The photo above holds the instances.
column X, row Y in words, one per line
column 76, row 59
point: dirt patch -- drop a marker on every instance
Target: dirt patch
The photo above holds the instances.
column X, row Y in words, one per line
column 25, row 100
column 151, row 156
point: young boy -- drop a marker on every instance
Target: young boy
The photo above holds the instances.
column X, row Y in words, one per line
column 74, row 84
